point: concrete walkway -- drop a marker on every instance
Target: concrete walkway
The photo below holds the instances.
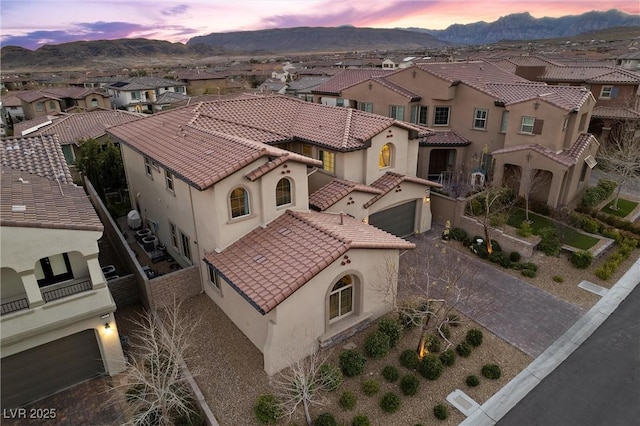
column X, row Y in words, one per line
column 505, row 399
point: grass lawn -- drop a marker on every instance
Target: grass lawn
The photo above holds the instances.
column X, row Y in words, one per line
column 568, row 236
column 624, row 207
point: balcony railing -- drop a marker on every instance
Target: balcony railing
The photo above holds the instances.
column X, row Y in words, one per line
column 15, row 305
column 65, row 289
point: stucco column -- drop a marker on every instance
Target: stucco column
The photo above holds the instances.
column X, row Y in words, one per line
column 554, row 190
column 32, row 289
column 110, row 346
column 95, row 272
column 424, row 211
column 498, row 172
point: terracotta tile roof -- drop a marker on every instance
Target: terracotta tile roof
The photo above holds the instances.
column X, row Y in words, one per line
column 336, row 190
column 39, row 155
column 34, row 95
column 270, row 263
column 283, row 158
column 600, row 74
column 144, row 83
column 191, row 75
column 615, row 113
column 11, row 101
column 57, row 93
column 566, row 97
column 566, row 158
column 390, row 181
column 35, row 123
column 28, row 200
column 443, row 138
column 411, row 96
column 348, row 78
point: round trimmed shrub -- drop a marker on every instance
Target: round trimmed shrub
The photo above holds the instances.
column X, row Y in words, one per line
column 390, row 373
column 348, row 400
column 267, row 409
column 441, row 412
column 325, row 419
column 331, row 377
column 409, row 359
column 391, row 328
column 549, row 241
column 370, row 387
column 409, row 384
column 463, row 349
column 514, row 256
column 433, row 345
column 491, row 371
column 448, row 357
column 390, row 402
column 446, row 331
column 474, row 337
column 360, row 420
column 531, row 266
column 431, row 367
column 528, row 273
column 557, row 278
column 581, row 259
column 352, row 362
column 472, row 381
column 377, row 345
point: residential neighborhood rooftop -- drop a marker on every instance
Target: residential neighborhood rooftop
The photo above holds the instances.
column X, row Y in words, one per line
column 40, row 155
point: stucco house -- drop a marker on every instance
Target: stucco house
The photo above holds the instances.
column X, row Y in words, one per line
column 225, row 185
column 54, row 100
column 140, row 94
column 57, row 323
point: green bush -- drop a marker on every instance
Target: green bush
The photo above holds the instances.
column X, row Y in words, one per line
column 360, row 420
column 531, row 266
column 612, row 263
column 458, row 234
column 446, row 332
column 590, row 225
column 348, row 400
column 391, row 328
column 376, row 345
column 431, row 367
column 370, row 387
column 472, row 381
column 390, row 373
column 514, row 256
column 330, row 376
column 491, row 371
column 325, row 419
column 549, row 241
column 352, row 363
column 463, row 349
column 528, row 273
column 581, row 259
column 525, row 229
column 448, row 357
column 409, row 384
column 267, row 409
column 474, row 337
column 433, row 343
column 453, row 320
column 557, row 278
column 441, row 412
column 597, row 194
column 409, row 359
column 390, row 402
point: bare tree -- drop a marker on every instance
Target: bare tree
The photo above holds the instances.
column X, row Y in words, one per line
column 155, row 385
column 531, row 181
column 490, row 205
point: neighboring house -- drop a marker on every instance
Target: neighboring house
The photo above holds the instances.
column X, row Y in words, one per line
column 273, row 86
column 12, row 105
column 329, row 92
column 53, row 100
column 201, row 82
column 139, row 94
column 225, row 185
column 399, row 62
column 303, row 86
column 630, row 61
column 57, row 321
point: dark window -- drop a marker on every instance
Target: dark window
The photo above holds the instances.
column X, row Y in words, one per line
column 54, row 269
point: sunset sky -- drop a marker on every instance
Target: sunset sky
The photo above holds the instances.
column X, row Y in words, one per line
column 32, row 23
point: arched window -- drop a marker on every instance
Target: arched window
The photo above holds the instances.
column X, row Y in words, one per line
column 386, row 153
column 283, row 192
column 341, row 298
column 94, row 102
column 52, row 105
column 239, row 200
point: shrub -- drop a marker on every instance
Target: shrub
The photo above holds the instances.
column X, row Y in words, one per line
column 433, row 343
column 331, row 376
column 370, row 387
column 474, row 337
column 604, row 272
column 409, row 359
column 525, row 229
column 472, row 381
column 528, row 273
column 453, row 320
column 448, row 357
column 491, row 371
column 391, row 328
column 390, row 373
column 377, row 345
column 441, row 412
column 463, row 349
column 458, row 234
column 549, row 242
column 531, row 266
column 360, row 420
column 325, row 419
column 596, row 194
column 348, row 400
column 430, row 367
column 390, row 402
column 581, row 259
column 446, row 332
column 409, row 384
column 267, row 409
column 495, row 246
column 590, row 225
column 352, row 362
column 557, row 278
column 514, row 256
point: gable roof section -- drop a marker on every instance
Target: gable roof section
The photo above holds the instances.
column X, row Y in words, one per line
column 391, row 180
column 588, row 74
column 144, row 83
column 411, row 96
column 334, row 191
column 348, row 78
column 270, row 263
column 566, row 97
column 566, row 158
column 618, row 113
column 44, row 203
column 39, row 155
column 443, row 138
column 58, row 93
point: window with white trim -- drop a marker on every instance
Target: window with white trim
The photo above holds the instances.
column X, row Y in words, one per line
column 441, row 115
column 147, row 166
column 527, row 125
column 168, row 177
column 185, row 247
column 419, row 114
column 397, row 112
column 39, row 106
column 174, row 235
column 283, row 192
column 606, row 92
column 94, row 102
column 341, row 299
column 365, row 106
column 505, row 122
column 214, row 278
column 239, row 200
column 328, row 159
column 480, row 118
column 386, row 153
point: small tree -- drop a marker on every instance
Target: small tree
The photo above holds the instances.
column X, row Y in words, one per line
column 102, row 164
column 531, row 181
column 488, row 205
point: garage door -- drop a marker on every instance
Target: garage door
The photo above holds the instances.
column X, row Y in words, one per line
column 399, row 220
column 43, row 370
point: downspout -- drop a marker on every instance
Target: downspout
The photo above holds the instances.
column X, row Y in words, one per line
column 197, row 239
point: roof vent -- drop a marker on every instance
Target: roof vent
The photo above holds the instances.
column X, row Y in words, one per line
column 19, row 208
column 284, row 231
column 259, row 258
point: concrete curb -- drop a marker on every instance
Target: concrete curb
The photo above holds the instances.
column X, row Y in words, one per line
column 513, row 392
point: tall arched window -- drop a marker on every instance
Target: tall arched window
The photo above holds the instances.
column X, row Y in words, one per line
column 386, row 153
column 341, row 298
column 239, row 200
column 283, row 192
column 94, row 102
column 52, row 105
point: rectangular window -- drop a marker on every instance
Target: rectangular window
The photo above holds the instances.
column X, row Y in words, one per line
column 147, row 166
column 168, row 177
column 441, row 116
column 365, row 106
column 53, row 269
column 583, row 172
column 135, row 95
column 180, row 89
column 328, row 161
column 565, row 124
column 340, row 102
column 419, row 114
column 174, row 235
column 186, row 248
column 69, row 157
column 40, row 106
column 307, row 151
column 397, row 112
column 214, row 278
column 606, row 92
column 505, row 121
column 527, row 125
column 480, row 118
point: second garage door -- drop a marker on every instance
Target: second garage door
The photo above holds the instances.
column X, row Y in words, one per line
column 398, row 220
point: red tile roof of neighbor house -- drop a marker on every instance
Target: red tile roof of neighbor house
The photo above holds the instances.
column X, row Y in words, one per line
column 566, row 97
column 336, row 190
column 391, row 180
column 588, row 74
column 39, row 155
column 11, row 101
column 348, row 78
column 443, row 138
column 566, row 158
column 615, row 113
column 411, row 96
column 31, row 201
column 270, row 263
column 58, row 93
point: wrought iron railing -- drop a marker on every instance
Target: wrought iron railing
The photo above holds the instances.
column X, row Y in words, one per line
column 64, row 290
column 15, row 305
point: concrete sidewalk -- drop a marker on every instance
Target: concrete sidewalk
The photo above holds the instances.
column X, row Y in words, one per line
column 505, row 399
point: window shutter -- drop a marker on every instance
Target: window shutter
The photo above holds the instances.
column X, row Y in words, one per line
column 537, row 126
column 614, row 92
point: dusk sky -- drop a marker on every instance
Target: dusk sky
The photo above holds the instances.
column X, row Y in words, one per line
column 32, row 23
